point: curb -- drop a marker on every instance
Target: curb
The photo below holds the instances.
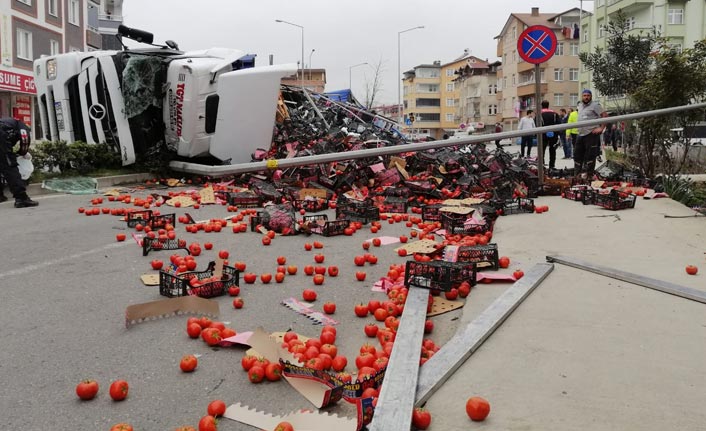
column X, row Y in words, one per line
column 35, row 189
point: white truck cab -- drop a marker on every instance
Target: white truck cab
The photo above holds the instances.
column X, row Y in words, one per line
column 208, row 103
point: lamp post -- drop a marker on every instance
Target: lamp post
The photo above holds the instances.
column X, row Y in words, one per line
column 399, row 73
column 310, row 54
column 301, row 76
column 350, row 81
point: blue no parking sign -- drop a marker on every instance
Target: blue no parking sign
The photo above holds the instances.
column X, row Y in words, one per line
column 536, row 44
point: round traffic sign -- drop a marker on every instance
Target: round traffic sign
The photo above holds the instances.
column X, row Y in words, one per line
column 536, row 44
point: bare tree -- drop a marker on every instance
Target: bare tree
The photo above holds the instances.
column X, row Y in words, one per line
column 373, row 87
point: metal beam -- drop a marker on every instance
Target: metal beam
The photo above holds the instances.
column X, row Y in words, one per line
column 651, row 283
column 196, row 168
column 394, row 407
column 454, row 353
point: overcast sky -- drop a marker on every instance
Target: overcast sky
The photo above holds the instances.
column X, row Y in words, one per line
column 343, row 33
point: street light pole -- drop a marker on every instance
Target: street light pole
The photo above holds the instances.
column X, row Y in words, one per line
column 350, row 75
column 399, row 73
column 310, row 54
column 301, row 76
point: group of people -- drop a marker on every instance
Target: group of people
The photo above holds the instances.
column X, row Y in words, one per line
column 13, row 131
column 582, row 144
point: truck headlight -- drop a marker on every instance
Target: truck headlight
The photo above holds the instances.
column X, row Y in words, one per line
column 51, row 69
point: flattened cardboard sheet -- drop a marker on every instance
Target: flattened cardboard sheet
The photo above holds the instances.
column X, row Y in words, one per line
column 150, row 279
column 312, row 192
column 457, row 210
column 301, row 420
column 207, row 195
column 442, row 305
column 162, row 308
column 424, row 246
column 184, row 201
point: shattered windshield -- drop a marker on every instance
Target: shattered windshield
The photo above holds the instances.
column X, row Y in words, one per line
column 142, row 84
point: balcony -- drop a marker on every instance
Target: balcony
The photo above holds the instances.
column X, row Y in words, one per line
column 93, row 38
column 107, row 21
column 628, row 6
column 528, row 89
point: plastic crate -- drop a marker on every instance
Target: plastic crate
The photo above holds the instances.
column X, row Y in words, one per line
column 393, row 205
column 321, row 225
column 463, row 224
column 483, row 256
column 554, row 186
column 138, row 217
column 244, row 200
column 431, row 212
column 517, row 206
column 580, row 193
column 149, row 244
column 173, row 285
column 162, row 220
column 310, row 205
column 615, row 200
column 363, row 212
column 438, row 274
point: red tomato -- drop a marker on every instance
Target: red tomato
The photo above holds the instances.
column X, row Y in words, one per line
column 318, row 280
column 421, row 418
column 284, row 426
column 266, row 278
column 87, row 389
column 223, row 254
column 361, row 310
column 339, row 363
column 477, row 408
column 208, row 423
column 216, row 408
column 273, row 371
column 118, row 390
column 330, row 307
column 238, row 303
column 360, row 275
column 319, row 258
column 188, row 363
column 371, row 329
column 120, row 237
column 292, row 269
column 248, row 361
column 256, row 374
column 518, row 274
column 333, row 271
column 121, row 427
column 157, row 264
column 504, row 262
column 691, row 269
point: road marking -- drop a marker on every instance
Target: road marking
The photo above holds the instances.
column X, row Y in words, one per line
column 38, row 266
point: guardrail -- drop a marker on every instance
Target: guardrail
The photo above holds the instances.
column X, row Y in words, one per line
column 195, row 168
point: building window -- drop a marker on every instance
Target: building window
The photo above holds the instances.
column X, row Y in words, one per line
column 600, row 3
column 54, row 47
column 449, row 72
column 514, row 56
column 450, row 86
column 675, row 16
column 559, row 49
column 493, row 89
column 558, row 74
column 675, row 47
column 449, row 102
column 630, row 23
column 573, row 99
column 24, row 44
column 573, row 74
column 558, row 99
column 492, row 109
column 53, row 7
column 514, row 82
column 584, row 34
column 541, row 76
column 450, row 118
column 27, row 2
column 74, row 13
column 574, row 48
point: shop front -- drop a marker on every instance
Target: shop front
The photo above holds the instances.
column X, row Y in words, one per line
column 17, row 99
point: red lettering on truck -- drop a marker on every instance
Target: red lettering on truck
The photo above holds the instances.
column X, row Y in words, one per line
column 179, row 107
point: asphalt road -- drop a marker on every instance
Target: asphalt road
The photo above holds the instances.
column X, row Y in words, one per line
column 66, row 282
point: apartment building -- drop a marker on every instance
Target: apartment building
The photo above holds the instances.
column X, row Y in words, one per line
column 682, row 22
column 559, row 76
column 477, row 84
column 31, row 28
column 431, row 98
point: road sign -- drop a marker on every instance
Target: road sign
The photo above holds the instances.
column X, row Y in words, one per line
column 536, row 44
column 407, row 121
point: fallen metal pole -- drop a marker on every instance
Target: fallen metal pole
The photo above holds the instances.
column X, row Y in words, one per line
column 394, row 407
column 651, row 283
column 242, row 168
column 458, row 349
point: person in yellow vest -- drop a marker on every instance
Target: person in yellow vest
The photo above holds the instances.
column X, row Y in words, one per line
column 571, row 134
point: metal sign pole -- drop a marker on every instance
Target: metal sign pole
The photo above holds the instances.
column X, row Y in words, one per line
column 538, row 110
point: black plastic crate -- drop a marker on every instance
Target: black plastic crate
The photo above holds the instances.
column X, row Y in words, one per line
column 173, row 285
column 393, row 205
column 483, row 256
column 162, row 220
column 615, row 200
column 321, row 225
column 159, row 244
column 517, row 206
column 580, row 193
column 363, row 212
column 431, row 212
column 139, row 217
column 310, row 205
column 438, row 274
column 463, row 224
column 244, row 200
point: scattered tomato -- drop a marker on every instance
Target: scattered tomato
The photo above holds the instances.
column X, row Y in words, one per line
column 87, row 389
column 477, row 408
column 118, row 390
column 188, row 363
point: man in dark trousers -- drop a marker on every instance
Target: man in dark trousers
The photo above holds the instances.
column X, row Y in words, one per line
column 588, row 144
column 550, row 139
column 11, row 131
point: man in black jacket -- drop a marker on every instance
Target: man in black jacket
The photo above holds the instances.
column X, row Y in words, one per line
column 550, row 139
column 11, row 131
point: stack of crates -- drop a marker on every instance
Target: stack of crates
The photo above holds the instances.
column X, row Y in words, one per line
column 438, row 274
